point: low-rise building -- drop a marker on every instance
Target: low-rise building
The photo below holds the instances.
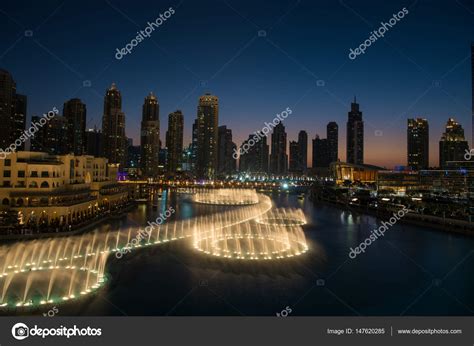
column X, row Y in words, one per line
column 58, row 192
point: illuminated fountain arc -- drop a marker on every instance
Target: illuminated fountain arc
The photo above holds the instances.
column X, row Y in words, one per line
column 53, row 271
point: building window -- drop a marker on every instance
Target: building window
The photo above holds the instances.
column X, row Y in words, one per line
column 6, row 183
column 8, row 162
column 21, row 174
column 7, row 174
column 44, row 174
column 34, row 174
column 44, row 185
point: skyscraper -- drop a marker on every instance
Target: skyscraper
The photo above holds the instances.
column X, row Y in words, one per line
column 332, row 135
column 295, row 157
column 94, row 142
column 321, row 157
column 206, row 136
column 113, row 127
column 355, row 135
column 75, row 113
column 50, row 137
column 12, row 111
column 226, row 164
column 150, row 136
column 302, row 151
column 453, row 145
column 194, row 145
column 174, row 141
column 418, row 144
column 256, row 159
column 278, row 156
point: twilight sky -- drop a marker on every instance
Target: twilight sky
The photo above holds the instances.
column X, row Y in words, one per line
column 421, row 67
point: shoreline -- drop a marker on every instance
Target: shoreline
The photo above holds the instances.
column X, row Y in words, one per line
column 436, row 223
column 80, row 229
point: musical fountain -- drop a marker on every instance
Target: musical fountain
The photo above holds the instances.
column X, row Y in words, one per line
column 64, row 269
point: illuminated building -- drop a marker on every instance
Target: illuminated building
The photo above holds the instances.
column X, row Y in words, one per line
column 255, row 158
column 226, row 164
column 278, row 156
column 50, row 137
column 418, row 144
column 332, row 135
column 74, row 112
column 342, row 172
column 12, row 111
column 355, row 135
column 113, row 127
column 206, row 136
column 453, row 145
column 150, row 136
column 174, row 141
column 94, row 142
column 58, row 190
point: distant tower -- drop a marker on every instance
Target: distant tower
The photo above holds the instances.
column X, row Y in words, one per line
column 278, row 156
column 295, row 157
column 12, row 111
column 321, row 157
column 94, row 142
column 355, row 135
column 50, row 137
column 75, row 113
column 332, row 135
column 226, row 164
column 256, row 159
column 418, row 144
column 206, row 136
column 453, row 145
column 174, row 141
column 150, row 136
column 113, row 127
column 302, row 151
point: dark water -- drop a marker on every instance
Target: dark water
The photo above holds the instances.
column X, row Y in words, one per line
column 410, row 271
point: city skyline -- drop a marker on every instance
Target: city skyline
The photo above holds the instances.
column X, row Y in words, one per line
column 405, row 80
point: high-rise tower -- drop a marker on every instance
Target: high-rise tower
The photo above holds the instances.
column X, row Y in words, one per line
column 453, row 145
column 206, row 136
column 113, row 127
column 174, row 141
column 355, row 135
column 278, row 156
column 12, row 111
column 418, row 143
column 332, row 135
column 75, row 113
column 150, row 136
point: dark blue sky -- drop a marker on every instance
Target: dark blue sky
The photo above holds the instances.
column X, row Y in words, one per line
column 421, row 68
